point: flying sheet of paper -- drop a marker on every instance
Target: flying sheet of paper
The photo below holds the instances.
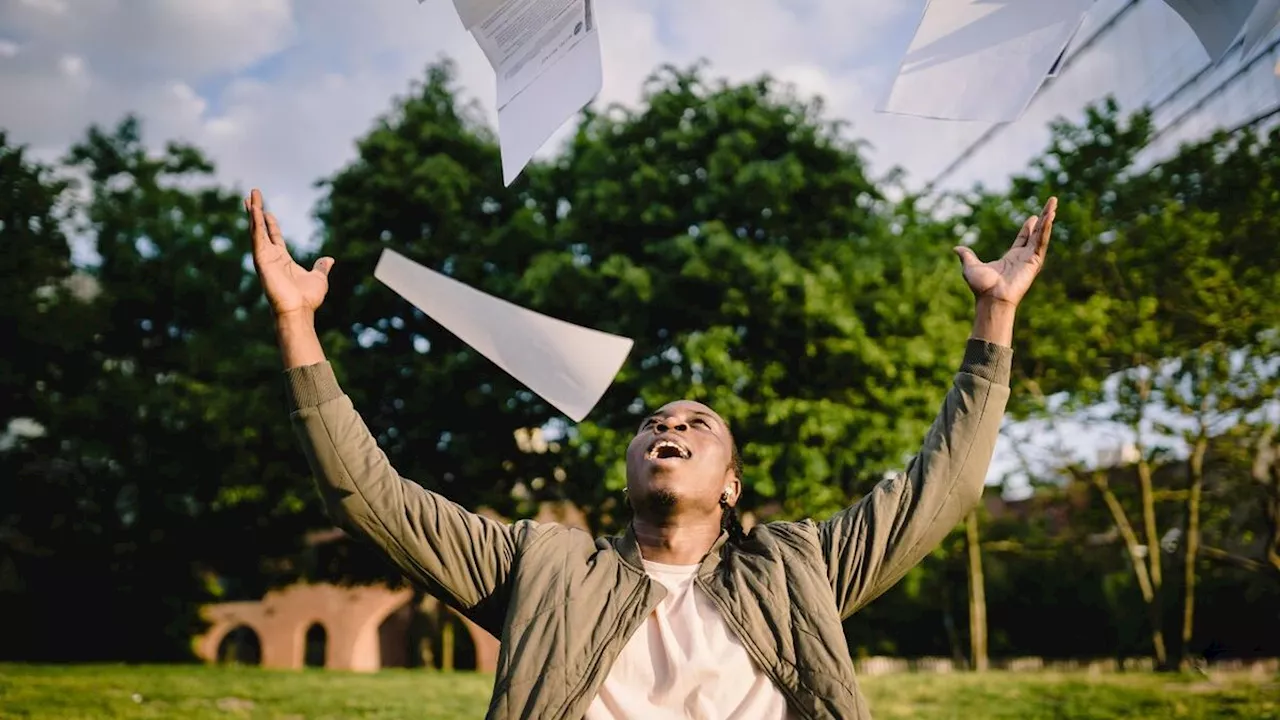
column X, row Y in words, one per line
column 1263, row 21
column 546, row 58
column 1062, row 56
column 982, row 59
column 567, row 365
column 474, row 12
column 1216, row 23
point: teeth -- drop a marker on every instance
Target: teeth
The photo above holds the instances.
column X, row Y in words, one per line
column 668, row 444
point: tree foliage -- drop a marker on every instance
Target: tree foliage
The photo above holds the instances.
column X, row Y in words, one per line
column 735, row 233
column 728, row 229
column 1159, row 317
column 162, row 458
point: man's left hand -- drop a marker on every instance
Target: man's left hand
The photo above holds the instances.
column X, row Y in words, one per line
column 1006, row 281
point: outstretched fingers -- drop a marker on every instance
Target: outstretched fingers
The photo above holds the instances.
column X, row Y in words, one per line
column 1045, row 228
column 257, row 225
column 268, row 242
column 1024, row 235
column 273, row 230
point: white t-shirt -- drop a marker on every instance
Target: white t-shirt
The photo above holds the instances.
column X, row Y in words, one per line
column 685, row 663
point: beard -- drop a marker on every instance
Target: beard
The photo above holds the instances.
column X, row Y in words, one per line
column 662, row 498
column 657, row 502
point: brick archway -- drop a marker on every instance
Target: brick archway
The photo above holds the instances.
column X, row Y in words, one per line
column 485, row 645
column 240, row 645
column 350, row 617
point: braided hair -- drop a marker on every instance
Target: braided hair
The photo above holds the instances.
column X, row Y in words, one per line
column 729, row 521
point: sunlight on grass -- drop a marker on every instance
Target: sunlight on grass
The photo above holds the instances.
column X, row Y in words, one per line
column 112, row 692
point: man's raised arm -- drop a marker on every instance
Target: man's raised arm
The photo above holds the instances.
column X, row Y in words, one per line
column 871, row 545
column 458, row 556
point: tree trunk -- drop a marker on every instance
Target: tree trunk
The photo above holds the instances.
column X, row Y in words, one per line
column 1192, row 547
column 977, row 597
column 1266, row 472
column 1140, row 570
column 423, row 630
column 446, row 639
column 1155, row 604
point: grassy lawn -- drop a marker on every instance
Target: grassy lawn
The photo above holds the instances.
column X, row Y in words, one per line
column 104, row 692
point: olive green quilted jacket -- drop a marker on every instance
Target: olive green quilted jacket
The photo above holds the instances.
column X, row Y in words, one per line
column 564, row 603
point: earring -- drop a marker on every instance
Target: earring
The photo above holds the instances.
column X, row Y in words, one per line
column 728, row 493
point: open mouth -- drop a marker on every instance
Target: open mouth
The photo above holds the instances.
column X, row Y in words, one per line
column 668, row 449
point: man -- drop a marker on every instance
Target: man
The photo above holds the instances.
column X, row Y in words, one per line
column 682, row 616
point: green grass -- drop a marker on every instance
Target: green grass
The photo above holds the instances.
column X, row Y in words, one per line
column 113, row 691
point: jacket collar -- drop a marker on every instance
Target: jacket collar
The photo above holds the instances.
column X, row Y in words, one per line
column 628, row 547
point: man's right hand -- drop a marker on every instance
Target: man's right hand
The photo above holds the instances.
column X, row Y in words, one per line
column 292, row 290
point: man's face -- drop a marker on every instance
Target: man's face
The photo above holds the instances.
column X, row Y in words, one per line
column 681, row 457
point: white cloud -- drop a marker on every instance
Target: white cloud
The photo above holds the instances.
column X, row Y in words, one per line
column 331, row 67
column 72, row 66
column 139, row 40
column 53, row 7
column 276, row 91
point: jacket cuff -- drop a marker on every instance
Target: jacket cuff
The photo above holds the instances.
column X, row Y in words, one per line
column 988, row 361
column 311, row 385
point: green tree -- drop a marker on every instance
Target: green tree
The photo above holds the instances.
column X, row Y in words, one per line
column 37, row 294
column 1265, row 471
column 43, row 321
column 163, row 465
column 1157, row 313
column 735, row 235
column 728, row 229
column 426, row 182
column 772, row 280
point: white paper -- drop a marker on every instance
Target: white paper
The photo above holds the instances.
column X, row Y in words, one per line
column 567, row 365
column 1216, row 23
column 546, row 57
column 1062, row 56
column 1263, row 21
column 982, row 59
column 473, row 12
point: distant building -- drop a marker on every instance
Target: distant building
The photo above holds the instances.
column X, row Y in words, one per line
column 362, row 628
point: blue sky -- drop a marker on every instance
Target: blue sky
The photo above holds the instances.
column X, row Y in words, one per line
column 276, row 91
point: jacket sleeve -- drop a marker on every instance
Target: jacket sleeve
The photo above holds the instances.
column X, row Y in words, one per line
column 871, row 545
column 460, row 557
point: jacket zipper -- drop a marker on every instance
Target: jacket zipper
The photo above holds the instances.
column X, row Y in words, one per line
column 595, row 661
column 752, row 650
